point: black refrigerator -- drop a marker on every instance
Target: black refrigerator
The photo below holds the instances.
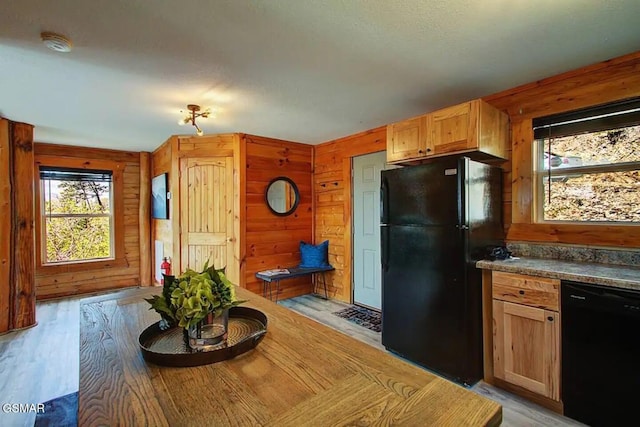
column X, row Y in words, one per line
column 437, row 220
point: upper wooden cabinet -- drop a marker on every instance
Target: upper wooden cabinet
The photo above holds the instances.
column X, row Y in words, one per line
column 407, row 140
column 473, row 127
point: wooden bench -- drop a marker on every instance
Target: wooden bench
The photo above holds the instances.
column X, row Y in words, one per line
column 293, row 272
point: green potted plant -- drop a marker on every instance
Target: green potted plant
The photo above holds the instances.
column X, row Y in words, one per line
column 199, row 303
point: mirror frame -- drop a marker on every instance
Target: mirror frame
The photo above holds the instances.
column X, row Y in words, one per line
column 295, row 192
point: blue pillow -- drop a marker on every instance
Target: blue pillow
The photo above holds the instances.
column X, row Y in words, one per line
column 314, row 256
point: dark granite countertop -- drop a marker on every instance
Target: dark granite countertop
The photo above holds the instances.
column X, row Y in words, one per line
column 620, row 276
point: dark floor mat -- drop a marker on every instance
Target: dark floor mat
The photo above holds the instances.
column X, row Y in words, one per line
column 370, row 319
column 59, row 412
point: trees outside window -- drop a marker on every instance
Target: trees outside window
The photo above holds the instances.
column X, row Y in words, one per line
column 592, row 177
column 587, row 165
column 77, row 215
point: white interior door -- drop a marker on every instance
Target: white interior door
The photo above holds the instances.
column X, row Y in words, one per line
column 367, row 288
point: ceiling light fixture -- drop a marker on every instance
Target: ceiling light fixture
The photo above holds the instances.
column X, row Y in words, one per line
column 192, row 115
column 56, row 42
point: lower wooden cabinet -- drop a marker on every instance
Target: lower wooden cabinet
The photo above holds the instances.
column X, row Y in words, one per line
column 526, row 347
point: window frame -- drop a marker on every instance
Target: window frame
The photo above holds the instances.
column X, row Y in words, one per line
column 612, row 115
column 118, row 258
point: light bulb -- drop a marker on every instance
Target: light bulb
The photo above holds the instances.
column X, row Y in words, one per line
column 199, row 132
column 181, row 122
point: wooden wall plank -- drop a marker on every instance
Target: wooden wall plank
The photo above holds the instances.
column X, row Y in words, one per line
column 5, row 224
column 271, row 241
column 604, row 82
column 214, row 143
column 332, row 187
column 127, row 265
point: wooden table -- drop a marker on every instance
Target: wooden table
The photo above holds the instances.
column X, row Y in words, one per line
column 302, row 373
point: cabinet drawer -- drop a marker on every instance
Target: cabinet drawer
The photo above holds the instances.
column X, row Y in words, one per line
column 520, row 289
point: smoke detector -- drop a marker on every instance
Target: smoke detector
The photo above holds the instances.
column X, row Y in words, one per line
column 56, row 42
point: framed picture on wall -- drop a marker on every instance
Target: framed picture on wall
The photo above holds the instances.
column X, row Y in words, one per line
column 159, row 204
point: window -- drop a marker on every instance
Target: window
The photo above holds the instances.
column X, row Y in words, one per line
column 77, row 214
column 587, row 165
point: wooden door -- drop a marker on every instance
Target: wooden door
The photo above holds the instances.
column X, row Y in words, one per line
column 526, row 347
column 454, row 129
column 206, row 213
column 407, row 139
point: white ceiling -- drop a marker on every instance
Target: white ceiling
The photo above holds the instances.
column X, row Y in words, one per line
column 301, row 70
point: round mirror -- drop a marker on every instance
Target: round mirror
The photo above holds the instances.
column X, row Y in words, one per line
column 282, row 196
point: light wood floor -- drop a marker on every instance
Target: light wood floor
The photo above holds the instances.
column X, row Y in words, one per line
column 42, row 363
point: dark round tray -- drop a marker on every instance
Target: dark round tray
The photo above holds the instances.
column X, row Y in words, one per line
column 247, row 327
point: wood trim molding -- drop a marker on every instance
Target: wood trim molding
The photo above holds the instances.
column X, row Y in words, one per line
column 174, row 204
column 521, row 171
column 240, row 206
column 487, row 325
column 119, row 258
column 144, row 220
column 588, row 234
column 347, row 167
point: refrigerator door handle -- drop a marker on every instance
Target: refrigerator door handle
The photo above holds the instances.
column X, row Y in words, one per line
column 384, row 248
column 384, row 185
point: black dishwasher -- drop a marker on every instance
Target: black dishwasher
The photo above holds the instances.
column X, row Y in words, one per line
column 600, row 354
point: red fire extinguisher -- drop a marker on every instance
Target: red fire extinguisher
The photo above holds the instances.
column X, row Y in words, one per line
column 165, row 268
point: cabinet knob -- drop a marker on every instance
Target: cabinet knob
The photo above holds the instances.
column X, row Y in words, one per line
column 420, row 151
column 428, row 149
column 521, row 292
column 550, row 318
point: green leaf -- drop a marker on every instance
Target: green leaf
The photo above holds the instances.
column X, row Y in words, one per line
column 159, row 304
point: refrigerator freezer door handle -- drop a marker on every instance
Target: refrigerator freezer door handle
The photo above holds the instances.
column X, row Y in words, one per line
column 383, row 200
column 384, row 249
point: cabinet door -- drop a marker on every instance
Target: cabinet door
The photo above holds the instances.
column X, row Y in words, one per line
column 454, row 129
column 526, row 347
column 407, row 139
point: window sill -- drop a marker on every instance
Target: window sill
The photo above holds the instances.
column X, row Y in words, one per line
column 71, row 267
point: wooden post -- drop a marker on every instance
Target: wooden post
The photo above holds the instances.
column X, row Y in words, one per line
column 5, row 225
column 22, row 280
column 144, row 219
